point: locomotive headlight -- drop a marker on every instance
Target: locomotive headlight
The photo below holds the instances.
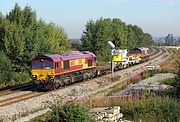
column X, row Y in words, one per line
column 51, row 76
column 34, row 77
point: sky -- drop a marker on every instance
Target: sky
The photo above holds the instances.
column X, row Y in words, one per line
column 157, row 17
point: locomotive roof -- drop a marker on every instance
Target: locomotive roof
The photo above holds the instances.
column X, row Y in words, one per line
column 140, row 48
column 66, row 56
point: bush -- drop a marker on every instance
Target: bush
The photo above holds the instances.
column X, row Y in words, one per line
column 6, row 70
column 169, row 81
column 176, row 84
column 71, row 113
column 21, row 77
column 151, row 109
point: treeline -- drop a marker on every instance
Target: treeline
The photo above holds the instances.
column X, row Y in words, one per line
column 98, row 33
column 22, row 37
column 169, row 40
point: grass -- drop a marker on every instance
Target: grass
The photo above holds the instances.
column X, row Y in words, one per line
column 42, row 118
column 68, row 113
column 115, row 78
column 121, row 86
column 151, row 73
column 150, row 109
column 157, row 108
column 115, row 90
column 169, row 81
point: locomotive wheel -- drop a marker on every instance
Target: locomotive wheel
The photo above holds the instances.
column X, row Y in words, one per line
column 85, row 76
column 56, row 85
column 50, row 85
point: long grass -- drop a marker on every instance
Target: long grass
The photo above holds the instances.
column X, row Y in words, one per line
column 151, row 109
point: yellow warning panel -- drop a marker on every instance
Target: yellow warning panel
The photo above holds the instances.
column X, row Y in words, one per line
column 117, row 58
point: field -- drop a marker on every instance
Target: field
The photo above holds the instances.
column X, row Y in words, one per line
column 171, row 63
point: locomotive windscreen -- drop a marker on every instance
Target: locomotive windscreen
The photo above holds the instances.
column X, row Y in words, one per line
column 42, row 65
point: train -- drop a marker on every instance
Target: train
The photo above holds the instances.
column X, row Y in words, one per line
column 51, row 71
column 142, row 53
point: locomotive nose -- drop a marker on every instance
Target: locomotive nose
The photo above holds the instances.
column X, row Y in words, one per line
column 42, row 77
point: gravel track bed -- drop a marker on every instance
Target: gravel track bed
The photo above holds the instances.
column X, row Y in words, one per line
column 6, row 92
column 18, row 93
column 69, row 93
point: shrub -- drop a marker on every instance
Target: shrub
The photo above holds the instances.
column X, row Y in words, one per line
column 153, row 108
column 169, row 81
column 20, row 77
column 6, row 70
column 176, row 84
column 71, row 113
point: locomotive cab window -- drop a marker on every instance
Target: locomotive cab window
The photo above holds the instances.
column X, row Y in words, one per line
column 90, row 62
column 56, row 65
column 47, row 65
column 66, row 64
column 36, row 65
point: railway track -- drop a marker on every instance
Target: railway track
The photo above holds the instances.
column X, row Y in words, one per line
column 17, row 88
column 21, row 93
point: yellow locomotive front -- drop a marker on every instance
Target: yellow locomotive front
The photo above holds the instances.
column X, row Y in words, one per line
column 42, row 70
column 142, row 53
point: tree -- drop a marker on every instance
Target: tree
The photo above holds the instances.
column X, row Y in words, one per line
column 6, row 71
column 178, row 40
column 98, row 33
column 12, row 41
column 96, row 36
column 22, row 37
column 169, row 39
column 131, row 37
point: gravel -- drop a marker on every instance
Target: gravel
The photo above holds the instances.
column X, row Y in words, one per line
column 14, row 95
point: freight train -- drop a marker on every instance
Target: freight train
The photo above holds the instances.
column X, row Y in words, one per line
column 51, row 71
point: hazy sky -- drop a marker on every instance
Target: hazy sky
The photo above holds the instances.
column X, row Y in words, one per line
column 157, row 17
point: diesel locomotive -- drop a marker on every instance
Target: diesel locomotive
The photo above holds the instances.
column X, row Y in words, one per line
column 55, row 70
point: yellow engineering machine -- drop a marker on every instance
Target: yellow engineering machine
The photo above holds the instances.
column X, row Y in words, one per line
column 122, row 60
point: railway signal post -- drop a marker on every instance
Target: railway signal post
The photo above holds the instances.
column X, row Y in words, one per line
column 112, row 54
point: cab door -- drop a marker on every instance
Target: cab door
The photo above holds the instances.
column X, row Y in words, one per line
column 57, row 67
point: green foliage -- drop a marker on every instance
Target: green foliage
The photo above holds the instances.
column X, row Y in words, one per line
column 170, row 40
column 169, row 81
column 22, row 37
column 176, row 84
column 6, row 70
column 151, row 109
column 71, row 113
column 42, row 118
column 99, row 32
column 21, row 77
